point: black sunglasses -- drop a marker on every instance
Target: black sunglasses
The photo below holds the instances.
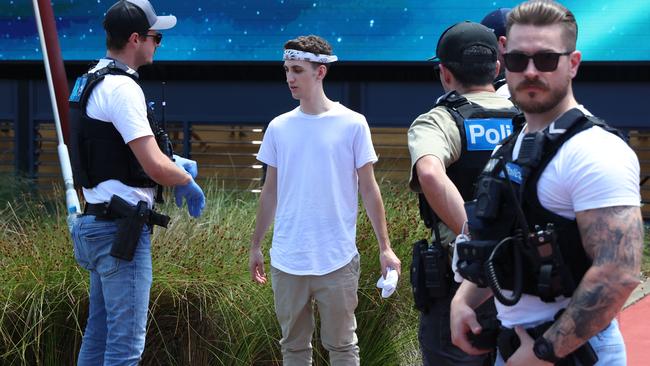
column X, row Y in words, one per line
column 156, row 37
column 544, row 61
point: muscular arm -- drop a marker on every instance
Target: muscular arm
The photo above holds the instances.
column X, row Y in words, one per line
column 156, row 164
column 613, row 238
column 371, row 197
column 441, row 194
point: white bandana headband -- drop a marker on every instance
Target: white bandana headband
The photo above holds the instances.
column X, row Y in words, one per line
column 295, row 55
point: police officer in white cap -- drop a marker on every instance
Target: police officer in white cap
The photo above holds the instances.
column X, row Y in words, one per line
column 122, row 158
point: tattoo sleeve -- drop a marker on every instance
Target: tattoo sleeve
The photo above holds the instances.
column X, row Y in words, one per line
column 613, row 238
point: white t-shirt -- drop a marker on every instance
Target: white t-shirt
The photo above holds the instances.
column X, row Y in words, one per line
column 118, row 99
column 503, row 91
column 317, row 157
column 593, row 169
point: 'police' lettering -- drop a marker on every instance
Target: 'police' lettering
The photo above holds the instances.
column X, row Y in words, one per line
column 515, row 173
column 486, row 133
column 78, row 89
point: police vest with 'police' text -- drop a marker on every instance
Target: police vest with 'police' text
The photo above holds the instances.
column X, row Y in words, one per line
column 508, row 202
column 481, row 129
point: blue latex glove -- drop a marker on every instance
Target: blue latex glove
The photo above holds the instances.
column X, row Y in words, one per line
column 188, row 165
column 193, row 195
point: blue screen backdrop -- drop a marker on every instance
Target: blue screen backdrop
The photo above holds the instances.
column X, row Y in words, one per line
column 361, row 30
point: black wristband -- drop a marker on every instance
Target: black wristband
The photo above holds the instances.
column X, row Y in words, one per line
column 543, row 350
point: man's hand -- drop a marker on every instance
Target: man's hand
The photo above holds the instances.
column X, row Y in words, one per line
column 462, row 321
column 188, row 165
column 387, row 258
column 193, row 195
column 256, row 266
column 524, row 355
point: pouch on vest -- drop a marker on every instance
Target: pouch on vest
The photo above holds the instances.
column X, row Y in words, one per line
column 429, row 274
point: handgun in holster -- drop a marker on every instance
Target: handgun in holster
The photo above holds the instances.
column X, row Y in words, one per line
column 130, row 221
column 129, row 226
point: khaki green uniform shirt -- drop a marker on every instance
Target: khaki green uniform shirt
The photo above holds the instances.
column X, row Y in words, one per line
column 435, row 133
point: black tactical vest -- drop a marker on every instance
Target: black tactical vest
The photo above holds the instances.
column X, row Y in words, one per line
column 97, row 150
column 480, row 129
column 546, row 279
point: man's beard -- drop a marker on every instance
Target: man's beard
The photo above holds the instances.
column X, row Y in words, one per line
column 537, row 105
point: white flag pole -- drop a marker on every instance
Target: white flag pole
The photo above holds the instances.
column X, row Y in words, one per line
column 71, row 199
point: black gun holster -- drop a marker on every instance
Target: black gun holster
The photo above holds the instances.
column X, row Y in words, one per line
column 130, row 221
column 430, row 274
column 508, row 342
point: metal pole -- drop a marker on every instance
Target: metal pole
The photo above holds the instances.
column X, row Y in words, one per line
column 71, row 199
column 57, row 70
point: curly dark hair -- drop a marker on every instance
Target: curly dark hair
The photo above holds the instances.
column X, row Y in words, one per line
column 310, row 43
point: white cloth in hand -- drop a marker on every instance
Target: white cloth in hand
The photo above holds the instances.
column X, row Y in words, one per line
column 389, row 283
column 454, row 261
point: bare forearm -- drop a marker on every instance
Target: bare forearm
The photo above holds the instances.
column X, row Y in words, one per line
column 157, row 165
column 472, row 295
column 447, row 203
column 374, row 205
column 266, row 208
column 441, row 194
column 371, row 197
column 168, row 174
column 263, row 219
column 600, row 296
column 613, row 237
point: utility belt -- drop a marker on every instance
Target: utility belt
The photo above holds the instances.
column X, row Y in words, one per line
column 129, row 219
column 506, row 339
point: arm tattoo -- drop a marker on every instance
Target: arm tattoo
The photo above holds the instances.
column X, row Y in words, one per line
column 613, row 238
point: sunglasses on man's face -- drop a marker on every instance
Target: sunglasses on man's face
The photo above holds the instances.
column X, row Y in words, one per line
column 544, row 61
column 156, row 37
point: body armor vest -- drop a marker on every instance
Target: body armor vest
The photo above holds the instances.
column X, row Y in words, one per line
column 480, row 130
column 97, row 150
column 552, row 258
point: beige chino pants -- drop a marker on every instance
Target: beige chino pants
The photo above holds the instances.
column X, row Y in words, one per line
column 335, row 295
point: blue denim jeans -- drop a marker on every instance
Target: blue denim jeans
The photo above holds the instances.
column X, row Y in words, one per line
column 119, row 294
column 608, row 345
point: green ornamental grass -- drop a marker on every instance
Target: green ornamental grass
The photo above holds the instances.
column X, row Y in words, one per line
column 204, row 309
